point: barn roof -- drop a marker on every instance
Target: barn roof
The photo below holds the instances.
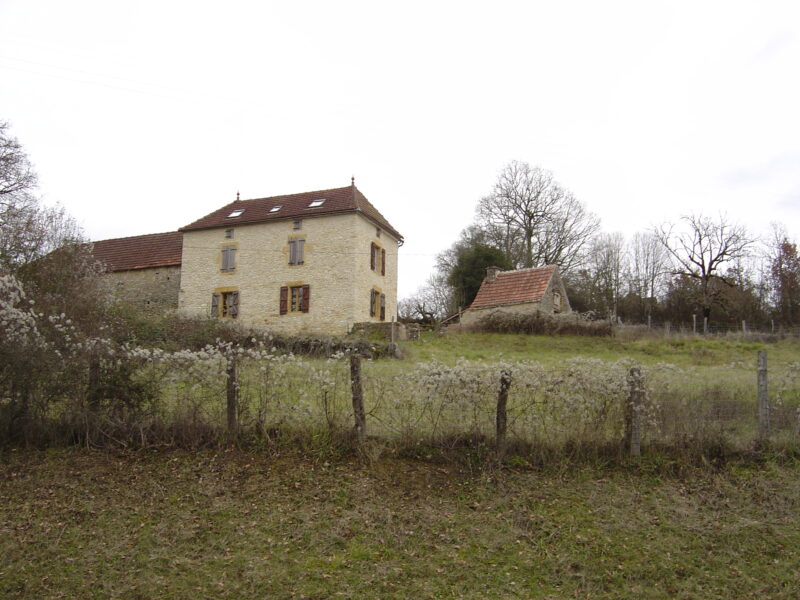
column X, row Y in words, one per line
column 293, row 206
column 140, row 251
column 514, row 287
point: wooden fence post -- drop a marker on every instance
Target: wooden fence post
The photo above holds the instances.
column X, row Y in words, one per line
column 502, row 414
column 232, row 388
column 358, row 396
column 705, row 325
column 763, row 397
column 633, row 412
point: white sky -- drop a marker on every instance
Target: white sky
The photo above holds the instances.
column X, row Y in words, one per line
column 143, row 116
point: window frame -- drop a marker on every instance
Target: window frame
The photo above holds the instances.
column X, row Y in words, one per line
column 228, row 258
column 297, row 247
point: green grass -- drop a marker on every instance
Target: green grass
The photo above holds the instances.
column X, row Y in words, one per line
column 551, row 350
column 77, row 524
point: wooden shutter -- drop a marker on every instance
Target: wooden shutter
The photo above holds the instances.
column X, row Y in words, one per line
column 372, row 303
column 228, row 258
column 284, row 300
column 299, row 254
column 383, row 261
column 383, row 307
column 214, row 306
column 306, row 298
column 291, row 252
column 372, row 255
column 233, row 309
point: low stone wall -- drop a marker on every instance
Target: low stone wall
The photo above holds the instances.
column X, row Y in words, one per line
column 381, row 331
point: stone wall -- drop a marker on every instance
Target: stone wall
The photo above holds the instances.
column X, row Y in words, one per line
column 336, row 267
column 153, row 289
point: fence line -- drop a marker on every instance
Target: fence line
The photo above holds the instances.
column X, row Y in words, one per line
column 546, row 405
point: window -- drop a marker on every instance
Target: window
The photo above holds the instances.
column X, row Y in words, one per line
column 296, row 298
column 275, row 209
column 236, row 213
column 556, row 302
column 296, row 251
column 377, row 258
column 297, row 225
column 383, row 307
column 225, row 304
column 373, row 294
column 229, row 234
column 228, row 262
column 377, row 232
column 317, row 203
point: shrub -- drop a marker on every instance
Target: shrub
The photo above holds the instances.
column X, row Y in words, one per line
column 537, row 323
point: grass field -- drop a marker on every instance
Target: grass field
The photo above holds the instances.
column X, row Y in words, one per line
column 80, row 524
column 551, row 350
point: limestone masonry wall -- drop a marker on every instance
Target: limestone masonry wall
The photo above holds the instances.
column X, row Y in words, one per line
column 152, row 289
column 336, row 267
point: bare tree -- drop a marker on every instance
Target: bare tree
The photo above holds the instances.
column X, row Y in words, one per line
column 701, row 249
column 606, row 262
column 17, row 176
column 431, row 302
column 534, row 220
column 647, row 267
column 28, row 230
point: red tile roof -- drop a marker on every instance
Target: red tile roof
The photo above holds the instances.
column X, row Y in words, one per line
column 293, row 206
column 514, row 287
column 140, row 251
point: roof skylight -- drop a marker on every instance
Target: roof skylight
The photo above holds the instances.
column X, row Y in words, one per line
column 317, row 203
column 276, row 208
column 236, row 213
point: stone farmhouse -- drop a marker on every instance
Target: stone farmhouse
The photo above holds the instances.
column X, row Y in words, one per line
column 524, row 290
column 310, row 263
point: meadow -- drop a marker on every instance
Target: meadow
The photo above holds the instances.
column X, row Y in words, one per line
column 153, row 496
column 221, row 523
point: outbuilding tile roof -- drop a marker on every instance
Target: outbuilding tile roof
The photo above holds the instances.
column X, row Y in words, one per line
column 514, row 287
column 140, row 251
column 293, row 206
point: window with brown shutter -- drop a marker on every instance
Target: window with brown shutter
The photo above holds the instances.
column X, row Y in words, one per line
column 233, row 310
column 372, row 303
column 214, row 306
column 296, row 248
column 228, row 259
column 296, row 298
column 383, row 307
column 383, row 261
column 284, row 303
column 372, row 261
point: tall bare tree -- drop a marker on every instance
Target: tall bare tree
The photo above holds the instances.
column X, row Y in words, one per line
column 28, row 230
column 700, row 249
column 647, row 267
column 606, row 264
column 534, row 220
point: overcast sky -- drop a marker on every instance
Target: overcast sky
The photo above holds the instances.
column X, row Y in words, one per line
column 141, row 117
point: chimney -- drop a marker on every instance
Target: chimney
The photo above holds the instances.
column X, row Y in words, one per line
column 491, row 273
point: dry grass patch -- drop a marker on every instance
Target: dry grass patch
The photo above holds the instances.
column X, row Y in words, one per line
column 237, row 525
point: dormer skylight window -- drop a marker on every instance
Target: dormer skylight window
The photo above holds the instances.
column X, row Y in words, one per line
column 317, row 203
column 275, row 209
column 236, row 213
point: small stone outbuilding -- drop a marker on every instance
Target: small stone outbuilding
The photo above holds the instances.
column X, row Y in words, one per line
column 539, row 289
column 144, row 270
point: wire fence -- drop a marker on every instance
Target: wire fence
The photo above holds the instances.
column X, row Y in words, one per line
column 584, row 403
